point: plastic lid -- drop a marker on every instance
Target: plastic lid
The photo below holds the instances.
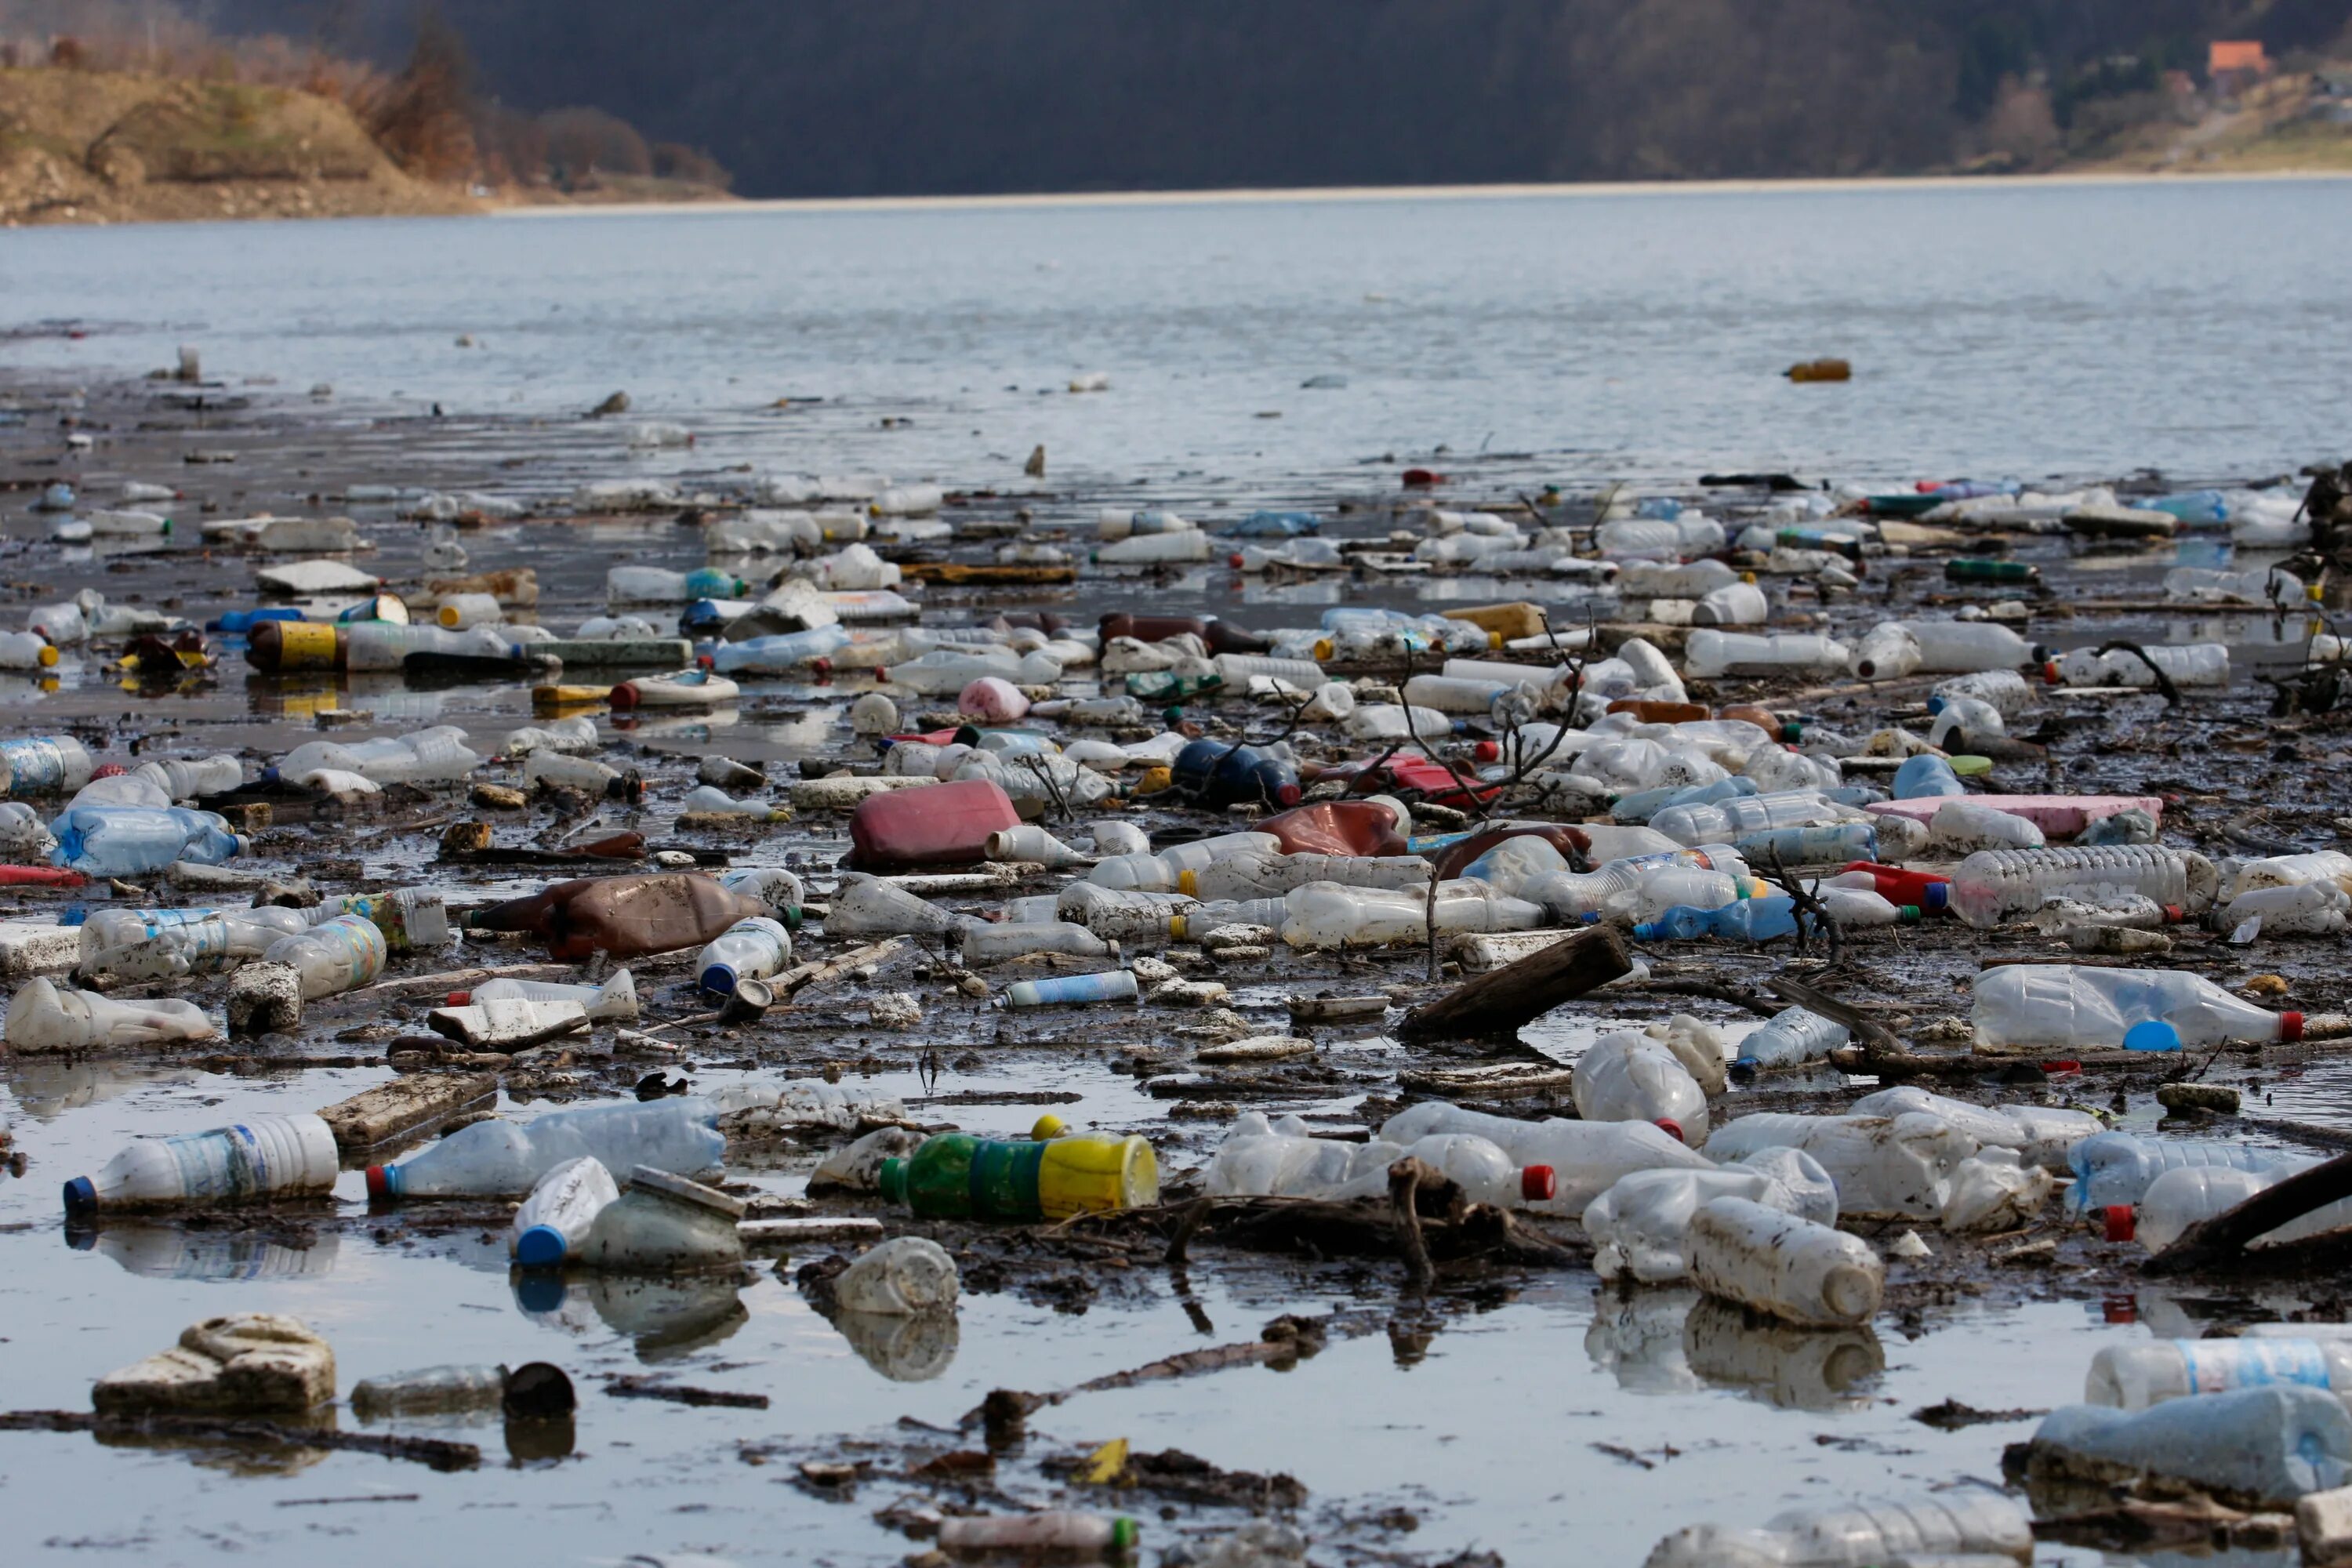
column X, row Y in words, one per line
column 1670, row 1125
column 719, row 979
column 541, row 1246
column 2151, row 1035
column 459, row 999
column 1906, row 914
column 2290, row 1027
column 622, row 696
column 1850, row 1292
column 1287, row 795
column 384, row 1181
column 80, row 1195
column 1934, row 896
column 48, row 656
column 1938, row 704
column 1047, row 1128
column 2122, row 1223
column 1536, row 1183
column 891, row 1181
column 1486, row 750
column 1123, row 1533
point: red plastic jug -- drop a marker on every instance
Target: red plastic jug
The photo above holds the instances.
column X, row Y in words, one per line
column 1336, row 828
column 939, row 824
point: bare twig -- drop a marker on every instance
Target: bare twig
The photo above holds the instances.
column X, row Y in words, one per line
column 2170, row 693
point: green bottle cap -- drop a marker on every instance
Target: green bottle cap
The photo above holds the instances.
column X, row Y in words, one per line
column 1906, row 914
column 790, row 916
column 1123, row 1533
column 1792, row 731
column 892, row 1181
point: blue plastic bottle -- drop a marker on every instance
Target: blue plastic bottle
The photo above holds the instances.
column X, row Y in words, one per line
column 1274, row 525
column 1922, row 776
column 126, row 840
column 1217, row 775
column 1748, row 919
column 1643, row 805
column 784, row 651
column 240, row 621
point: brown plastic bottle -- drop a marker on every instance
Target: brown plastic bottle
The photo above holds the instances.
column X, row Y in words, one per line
column 1336, row 828
column 627, row 917
column 1763, row 718
column 1221, row 637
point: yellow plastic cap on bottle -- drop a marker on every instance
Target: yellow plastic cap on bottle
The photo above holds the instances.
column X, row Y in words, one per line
column 1047, row 1128
column 1188, row 882
column 48, row 656
column 1322, row 650
column 448, row 614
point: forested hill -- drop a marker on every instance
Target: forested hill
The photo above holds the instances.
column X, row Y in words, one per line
column 878, row 97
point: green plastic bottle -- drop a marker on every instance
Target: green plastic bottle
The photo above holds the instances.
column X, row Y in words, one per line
column 959, row 1176
column 1975, row 569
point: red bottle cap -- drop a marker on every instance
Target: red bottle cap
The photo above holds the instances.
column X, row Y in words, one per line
column 1234, row 561
column 2174, row 914
column 705, row 661
column 107, row 771
column 1485, row 750
column 1287, row 795
column 2068, row 1065
column 822, row 669
column 2049, row 672
column 2290, row 1027
column 2121, row 1222
column 1671, row 1125
column 376, row 1185
column 459, row 999
column 622, row 696
column 880, row 673
column 1536, row 1183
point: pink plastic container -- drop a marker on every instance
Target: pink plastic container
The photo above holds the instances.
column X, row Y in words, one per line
column 2058, row 816
column 992, row 699
column 941, row 824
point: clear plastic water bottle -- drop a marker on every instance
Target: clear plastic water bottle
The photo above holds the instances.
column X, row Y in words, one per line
column 2042, row 1134
column 750, row 949
column 129, row 841
column 985, row 943
column 1586, row 1158
column 1643, row 805
column 2115, row 1169
column 195, row 947
column 1791, row 1038
column 552, row 1224
column 1628, row 1076
column 1965, row 1524
column 1881, row 1165
column 1721, row 821
column 1782, row 1264
column 2078, row 1005
column 1665, row 888
column 615, row 999
column 2137, row 1376
column 260, row 1158
column 1997, row 885
column 333, row 956
column 779, row 654
column 904, row 1276
column 1750, row 919
column 663, row 1224
column 103, row 930
column 1640, row 1226
column 2275, row 1443
column 501, row 1158
column 1828, row 844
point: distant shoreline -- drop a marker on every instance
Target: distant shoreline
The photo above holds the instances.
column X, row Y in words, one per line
column 1335, row 193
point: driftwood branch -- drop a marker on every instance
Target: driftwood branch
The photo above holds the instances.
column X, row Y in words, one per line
column 1500, row 1001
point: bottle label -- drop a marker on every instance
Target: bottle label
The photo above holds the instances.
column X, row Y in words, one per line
column 34, row 765
column 2217, row 1366
column 306, row 645
column 227, row 1164
column 1003, row 1179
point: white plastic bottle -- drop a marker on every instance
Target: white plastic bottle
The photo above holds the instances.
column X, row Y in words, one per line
column 773, row 885
column 1734, row 604
column 2003, row 690
column 1328, row 915
column 260, row 1158
column 2080, row 1005
column 1713, row 822
column 1997, row 885
column 2194, row 1193
column 1251, row 873
column 614, row 1001
column 2190, row 664
column 1966, row 1525
column 575, row 735
column 2136, row 1376
column 2306, row 908
column 1051, row 1530
column 2115, row 1170
column 1641, row 1226
column 750, row 949
column 43, row 1018
column 2042, row 1134
column 1711, row 653
column 1886, row 652
column 462, row 611
column 26, row 650
column 334, row 956
column 498, row 1157
column 1792, row 1037
column 196, row 947
column 2241, row 876
column 1881, row 1165
column 1586, row 1158
column 1781, row 1265
column 1629, row 1077
column 554, row 1223
column 1968, row 716
column 1143, row 549
column 555, row 769
column 984, row 942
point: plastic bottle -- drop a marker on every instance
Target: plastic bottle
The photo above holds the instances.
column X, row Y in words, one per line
column 192, row 947
column 660, row 586
column 501, row 1158
column 334, row 956
column 2137, row 1376
column 1627, row 1076
column 2078, row 1005
column 2307, row 909
column 750, row 949
column 1244, row 872
column 867, row 906
column 547, row 769
column 1732, row 604
column 957, row 1176
column 2241, row 877
column 1750, row 919
column 2042, row 1134
column 1711, row 654
column 774, row 888
column 1220, row 636
column 984, row 942
column 288, row 646
column 254, row 1160
column 1052, row 1530
column 574, row 735
column 1665, row 888
column 2181, row 1198
column 716, row 802
column 1215, row 776
column 1327, row 915
column 1586, row 1158
column 1107, row 985
column 2272, row 1444
column 44, row 764
column 127, row 841
column 664, row 1223
column 1827, row 844
column 2192, row 664
column 432, row 1391
column 1791, row 1038
column 1997, row 885
column 1925, row 891
column 1781, row 1265
column 1958, row 718
column 409, row 918
column 626, row 917
column 695, row 688
column 1641, row 1226
column 904, row 1276
column 554, row 1223
column 1881, row 1165
column 2114, row 1170
column 26, row 650
column 614, row 1001
column 946, row 823
column 1717, row 822
column 1965, row 1525
column 1143, row 549
column 1926, row 775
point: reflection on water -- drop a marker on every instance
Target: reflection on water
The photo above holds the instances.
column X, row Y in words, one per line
column 668, row 1318
column 1678, row 1340
column 47, row 1087
column 167, row 1252
column 213, row 1452
column 913, row 1348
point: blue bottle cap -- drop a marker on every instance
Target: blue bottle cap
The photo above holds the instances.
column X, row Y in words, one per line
column 2151, row 1035
column 1935, row 896
column 541, row 1246
column 1936, row 704
column 81, row 1196
column 719, row 979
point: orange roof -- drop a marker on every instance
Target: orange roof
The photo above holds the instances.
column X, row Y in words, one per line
column 2236, row 56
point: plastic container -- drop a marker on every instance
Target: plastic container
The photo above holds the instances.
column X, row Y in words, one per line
column 2191, row 1195
column 1586, row 1158
column 664, row 1223
column 1965, row 1525
column 750, row 949
column 1997, row 885
column 431, row 1391
column 1732, row 604
column 1216, row 775
column 1629, row 1077
column 26, row 650
column 2074, row 1005
column 501, row 1158
column 985, row 943
column 2042, row 1134
column 2137, row 1376
column 1064, row 990
column 947, row 824
column 334, row 956
column 554, row 1223
column 1781, row 1265
column 2193, row 664
column 614, row 1001
column 1750, row 919
column 43, row 1018
column 1881, row 1165
column 2242, row 876
column 660, row 586
column 1711, row 654
column 1792, row 1037
column 2114, row 1170
column 626, row 917
column 1926, row 775
column 260, row 1158
column 1641, row 1226
column 44, row 764
column 905, row 1276
column 1717, row 822
column 1246, row 872
column 131, row 840
column 2269, row 1445
column 1827, row 844
column 1328, row 915
column 1051, row 1530
column 959, row 1176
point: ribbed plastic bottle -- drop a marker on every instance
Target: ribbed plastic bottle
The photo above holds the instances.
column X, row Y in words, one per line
column 1783, row 1266
column 1718, row 822
column 1586, row 1158
column 499, row 1158
column 334, row 956
column 2136, row 1376
column 2042, row 1134
column 2194, row 1193
column 615, row 1000
column 2072, row 1006
column 1327, row 915
column 2115, row 1169
column 1750, row 919
column 1791, row 1038
column 1881, row 1165
column 1968, row 1524
column 1997, row 885
column 127, row 840
column 552, row 1224
column 260, row 1158
column 1641, row 1226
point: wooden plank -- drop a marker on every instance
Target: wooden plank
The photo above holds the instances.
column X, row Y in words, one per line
column 1500, row 1001
column 389, row 1110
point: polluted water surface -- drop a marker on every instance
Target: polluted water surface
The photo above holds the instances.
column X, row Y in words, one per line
column 810, row 1013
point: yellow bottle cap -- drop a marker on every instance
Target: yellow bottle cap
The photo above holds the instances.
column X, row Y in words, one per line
column 1322, row 650
column 1188, row 882
column 1176, row 928
column 1494, row 641
column 446, row 614
column 48, row 656
column 1047, row 1128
